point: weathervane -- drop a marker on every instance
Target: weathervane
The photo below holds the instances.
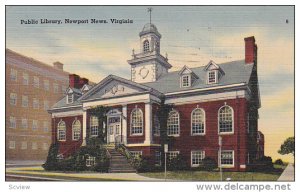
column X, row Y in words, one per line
column 150, row 10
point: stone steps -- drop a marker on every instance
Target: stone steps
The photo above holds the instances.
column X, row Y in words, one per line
column 118, row 162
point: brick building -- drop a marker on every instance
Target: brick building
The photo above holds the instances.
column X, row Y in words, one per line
column 208, row 101
column 32, row 87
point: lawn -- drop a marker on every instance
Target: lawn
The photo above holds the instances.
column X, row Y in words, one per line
column 215, row 176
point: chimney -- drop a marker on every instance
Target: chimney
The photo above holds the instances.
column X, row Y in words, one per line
column 58, row 65
column 74, row 81
column 250, row 50
column 83, row 81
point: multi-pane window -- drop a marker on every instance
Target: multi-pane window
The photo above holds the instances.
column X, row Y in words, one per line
column 24, row 145
column 156, row 130
column 34, row 146
column 94, row 126
column 226, row 120
column 173, row 123
column 24, row 123
column 36, row 82
column 46, row 85
column 35, row 104
column 185, row 81
column 12, row 144
column 45, row 146
column 55, row 87
column 117, row 129
column 46, row 105
column 146, row 46
column 76, row 129
column 212, row 77
column 61, row 131
column 137, row 122
column 198, row 119
column 227, row 158
column 25, row 79
column 13, row 98
column 197, row 157
column 24, row 101
column 136, row 154
column 12, row 122
column 34, row 125
column 173, row 154
column 13, row 74
column 46, row 126
column 157, row 158
column 90, row 161
column 70, row 98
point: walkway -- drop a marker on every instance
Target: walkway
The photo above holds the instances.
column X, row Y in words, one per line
column 288, row 173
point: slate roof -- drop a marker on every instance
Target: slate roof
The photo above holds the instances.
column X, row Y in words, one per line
column 235, row 72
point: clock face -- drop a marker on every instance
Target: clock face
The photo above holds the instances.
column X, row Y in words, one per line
column 144, row 72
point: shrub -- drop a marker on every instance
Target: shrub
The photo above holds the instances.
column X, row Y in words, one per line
column 278, row 162
column 177, row 163
column 51, row 162
column 209, row 164
column 263, row 164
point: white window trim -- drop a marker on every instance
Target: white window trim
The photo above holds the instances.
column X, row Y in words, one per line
column 35, row 103
column 87, row 160
column 61, row 121
column 24, row 145
column 136, row 153
column 36, row 82
column 15, row 97
column 189, row 80
column 226, row 133
column 226, row 166
column 23, row 100
column 196, row 165
column 12, row 145
column 37, row 125
column 34, row 146
column 177, row 152
column 22, row 123
column 154, row 127
column 15, row 122
column 174, row 135
column 204, row 122
column 25, row 77
column 93, row 126
column 216, row 77
column 13, row 72
column 74, row 131
column 136, row 134
column 72, row 98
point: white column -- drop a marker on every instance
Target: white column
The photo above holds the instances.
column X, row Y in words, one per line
column 148, row 123
column 84, row 128
column 124, row 123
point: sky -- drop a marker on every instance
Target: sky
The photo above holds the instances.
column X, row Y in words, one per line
column 191, row 35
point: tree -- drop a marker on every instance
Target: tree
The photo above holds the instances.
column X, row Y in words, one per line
column 288, row 146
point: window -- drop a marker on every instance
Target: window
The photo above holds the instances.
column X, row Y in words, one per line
column 157, row 158
column 226, row 120
column 117, row 129
column 146, row 46
column 34, row 146
column 111, row 130
column 173, row 123
column 90, row 161
column 12, row 122
column 35, row 103
column 13, row 74
column 46, row 85
column 46, row 105
column 70, row 98
column 156, row 130
column 36, row 82
column 45, row 146
column 185, row 81
column 136, row 154
column 24, row 101
column 25, row 79
column 212, row 77
column 13, row 98
column 198, row 119
column 173, row 154
column 24, row 123
column 46, row 126
column 55, row 87
column 61, row 131
column 227, row 158
column 24, row 145
column 34, row 125
column 76, row 130
column 197, row 157
column 94, row 126
column 12, row 144
column 137, row 122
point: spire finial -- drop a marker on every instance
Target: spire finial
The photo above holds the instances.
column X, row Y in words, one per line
column 150, row 10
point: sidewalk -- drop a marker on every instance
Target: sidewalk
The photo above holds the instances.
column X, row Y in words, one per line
column 288, row 173
column 23, row 163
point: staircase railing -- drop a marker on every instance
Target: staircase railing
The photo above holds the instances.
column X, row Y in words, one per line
column 124, row 151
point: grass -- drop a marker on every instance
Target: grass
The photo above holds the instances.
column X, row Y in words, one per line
column 215, row 176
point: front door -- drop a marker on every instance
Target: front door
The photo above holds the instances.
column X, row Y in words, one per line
column 114, row 130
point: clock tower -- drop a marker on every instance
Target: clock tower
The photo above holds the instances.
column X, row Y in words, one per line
column 148, row 65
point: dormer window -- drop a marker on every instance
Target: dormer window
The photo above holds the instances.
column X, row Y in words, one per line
column 214, row 73
column 70, row 98
column 212, row 77
column 186, row 81
column 146, row 46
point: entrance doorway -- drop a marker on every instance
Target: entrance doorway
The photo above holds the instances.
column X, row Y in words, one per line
column 114, row 125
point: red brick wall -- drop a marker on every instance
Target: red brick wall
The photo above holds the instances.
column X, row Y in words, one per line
column 155, row 108
column 133, row 138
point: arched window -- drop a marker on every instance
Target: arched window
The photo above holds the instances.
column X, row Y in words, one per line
column 136, row 122
column 61, row 131
column 198, row 122
column 146, row 46
column 76, row 129
column 156, row 130
column 226, row 119
column 173, row 123
column 94, row 126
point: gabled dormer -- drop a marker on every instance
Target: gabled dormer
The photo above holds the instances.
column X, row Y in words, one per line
column 85, row 88
column 213, row 73
column 187, row 77
column 72, row 94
